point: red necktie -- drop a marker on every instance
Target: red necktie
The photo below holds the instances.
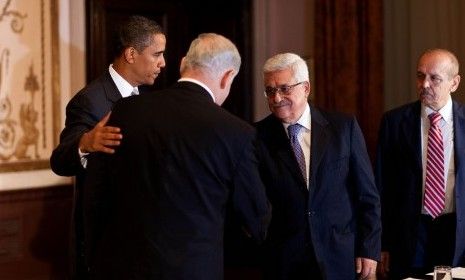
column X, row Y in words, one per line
column 434, row 183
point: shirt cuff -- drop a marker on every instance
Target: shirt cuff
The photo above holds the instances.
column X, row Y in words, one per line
column 83, row 157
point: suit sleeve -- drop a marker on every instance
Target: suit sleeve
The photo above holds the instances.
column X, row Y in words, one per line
column 80, row 117
column 367, row 198
column 249, row 198
column 382, row 169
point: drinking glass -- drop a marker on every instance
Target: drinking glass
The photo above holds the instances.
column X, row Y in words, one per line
column 442, row 272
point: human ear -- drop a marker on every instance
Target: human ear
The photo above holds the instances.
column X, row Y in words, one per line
column 129, row 54
column 455, row 83
column 227, row 78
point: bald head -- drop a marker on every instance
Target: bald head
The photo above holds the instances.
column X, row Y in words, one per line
column 444, row 55
column 437, row 77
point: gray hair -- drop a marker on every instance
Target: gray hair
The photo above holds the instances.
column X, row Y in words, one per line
column 212, row 53
column 285, row 61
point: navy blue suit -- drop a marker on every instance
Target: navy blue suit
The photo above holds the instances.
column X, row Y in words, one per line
column 338, row 216
column 161, row 199
column 399, row 175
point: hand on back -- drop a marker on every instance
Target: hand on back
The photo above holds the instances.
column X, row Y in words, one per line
column 101, row 138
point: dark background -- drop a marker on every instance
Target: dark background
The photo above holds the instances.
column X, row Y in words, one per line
column 182, row 21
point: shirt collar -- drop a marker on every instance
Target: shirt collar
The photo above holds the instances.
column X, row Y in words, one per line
column 445, row 111
column 200, row 84
column 304, row 120
column 123, row 86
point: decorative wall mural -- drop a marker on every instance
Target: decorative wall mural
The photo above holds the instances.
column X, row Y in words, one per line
column 29, row 83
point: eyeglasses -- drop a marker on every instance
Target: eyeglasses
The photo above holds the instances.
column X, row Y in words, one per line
column 283, row 90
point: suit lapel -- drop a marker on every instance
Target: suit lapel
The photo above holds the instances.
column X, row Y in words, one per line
column 459, row 141
column 291, row 163
column 411, row 130
column 319, row 144
column 111, row 90
column 284, row 151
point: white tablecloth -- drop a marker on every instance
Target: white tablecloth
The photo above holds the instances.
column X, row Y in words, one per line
column 457, row 272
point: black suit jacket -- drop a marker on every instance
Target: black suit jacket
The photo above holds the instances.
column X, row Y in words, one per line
column 399, row 174
column 83, row 112
column 339, row 214
column 163, row 204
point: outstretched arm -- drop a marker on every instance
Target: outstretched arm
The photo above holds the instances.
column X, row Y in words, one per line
column 82, row 118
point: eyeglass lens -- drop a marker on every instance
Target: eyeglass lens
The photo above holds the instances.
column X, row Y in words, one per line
column 285, row 90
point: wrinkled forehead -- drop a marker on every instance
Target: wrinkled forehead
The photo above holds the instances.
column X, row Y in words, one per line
column 278, row 77
column 437, row 63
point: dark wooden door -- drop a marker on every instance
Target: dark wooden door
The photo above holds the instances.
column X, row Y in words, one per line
column 182, row 21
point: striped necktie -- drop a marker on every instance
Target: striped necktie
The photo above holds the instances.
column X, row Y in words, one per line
column 298, row 152
column 434, row 182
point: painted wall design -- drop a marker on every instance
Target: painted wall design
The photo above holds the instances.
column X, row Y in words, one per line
column 29, row 83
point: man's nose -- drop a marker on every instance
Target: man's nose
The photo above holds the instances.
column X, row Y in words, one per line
column 162, row 63
column 425, row 83
column 277, row 97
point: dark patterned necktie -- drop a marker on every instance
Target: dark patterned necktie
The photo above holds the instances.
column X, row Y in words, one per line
column 298, row 152
column 434, row 182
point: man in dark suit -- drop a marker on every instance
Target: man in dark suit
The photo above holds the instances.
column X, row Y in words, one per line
column 417, row 236
column 325, row 206
column 138, row 59
column 183, row 158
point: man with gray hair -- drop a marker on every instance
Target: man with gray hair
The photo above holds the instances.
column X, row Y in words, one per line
column 183, row 158
column 326, row 210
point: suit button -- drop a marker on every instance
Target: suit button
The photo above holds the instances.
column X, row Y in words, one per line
column 311, row 213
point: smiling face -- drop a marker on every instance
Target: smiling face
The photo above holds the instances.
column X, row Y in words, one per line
column 437, row 78
column 287, row 107
column 148, row 63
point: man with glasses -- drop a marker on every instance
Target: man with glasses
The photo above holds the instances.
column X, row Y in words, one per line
column 325, row 205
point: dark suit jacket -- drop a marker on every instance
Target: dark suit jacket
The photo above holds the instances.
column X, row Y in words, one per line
column 339, row 215
column 83, row 112
column 400, row 177
column 181, row 160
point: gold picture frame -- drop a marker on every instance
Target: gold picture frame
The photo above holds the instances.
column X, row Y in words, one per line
column 29, row 84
